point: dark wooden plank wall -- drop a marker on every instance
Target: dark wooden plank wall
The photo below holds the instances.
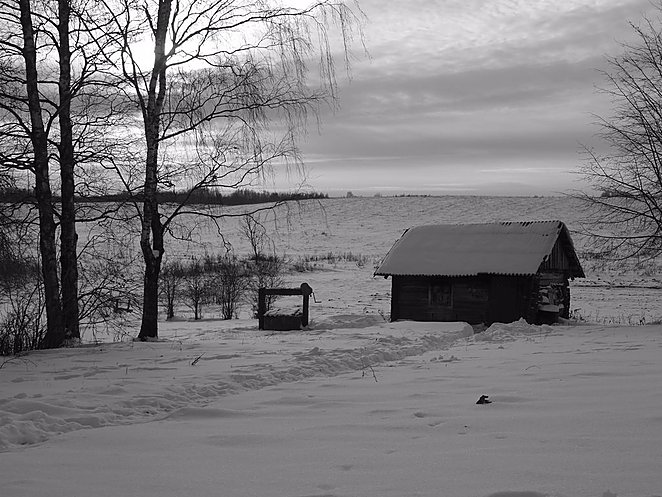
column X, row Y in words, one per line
column 557, row 260
column 470, row 299
column 511, row 298
column 409, row 299
column 474, row 299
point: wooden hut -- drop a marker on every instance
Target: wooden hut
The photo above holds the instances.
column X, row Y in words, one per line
column 482, row 273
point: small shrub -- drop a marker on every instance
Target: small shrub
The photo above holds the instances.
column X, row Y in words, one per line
column 309, row 262
column 22, row 325
column 14, row 268
column 253, row 230
column 263, row 273
column 22, row 309
column 172, row 284
column 228, row 285
column 196, row 287
column 302, row 265
column 108, row 293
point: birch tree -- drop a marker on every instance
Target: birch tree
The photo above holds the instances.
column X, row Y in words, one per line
column 52, row 82
column 24, row 127
column 225, row 96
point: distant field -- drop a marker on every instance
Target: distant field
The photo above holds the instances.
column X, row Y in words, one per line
column 613, row 293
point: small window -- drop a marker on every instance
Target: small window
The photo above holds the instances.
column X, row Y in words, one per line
column 440, row 294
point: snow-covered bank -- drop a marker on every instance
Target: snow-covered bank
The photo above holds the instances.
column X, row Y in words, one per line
column 371, row 409
column 53, row 392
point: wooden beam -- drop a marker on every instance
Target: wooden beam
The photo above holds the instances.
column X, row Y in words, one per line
column 282, row 291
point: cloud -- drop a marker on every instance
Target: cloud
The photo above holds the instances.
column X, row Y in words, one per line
column 465, row 84
column 522, row 108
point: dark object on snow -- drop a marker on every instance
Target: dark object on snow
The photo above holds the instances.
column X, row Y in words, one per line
column 282, row 321
column 482, row 273
column 484, row 400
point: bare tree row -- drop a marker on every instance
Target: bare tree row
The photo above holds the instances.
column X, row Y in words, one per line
column 225, row 281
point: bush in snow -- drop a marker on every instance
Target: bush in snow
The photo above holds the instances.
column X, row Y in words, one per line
column 172, row 279
column 22, row 317
column 196, row 288
column 228, row 284
column 264, row 272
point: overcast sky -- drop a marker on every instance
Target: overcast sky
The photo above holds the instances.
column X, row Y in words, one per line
column 470, row 96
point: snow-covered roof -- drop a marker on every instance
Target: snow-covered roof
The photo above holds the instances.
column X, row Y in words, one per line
column 470, row 249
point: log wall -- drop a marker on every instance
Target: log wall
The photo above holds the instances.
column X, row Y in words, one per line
column 474, row 299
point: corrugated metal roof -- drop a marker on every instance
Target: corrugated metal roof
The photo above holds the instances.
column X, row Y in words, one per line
column 470, row 249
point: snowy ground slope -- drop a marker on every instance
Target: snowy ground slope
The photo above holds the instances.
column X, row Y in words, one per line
column 369, row 409
column 56, row 392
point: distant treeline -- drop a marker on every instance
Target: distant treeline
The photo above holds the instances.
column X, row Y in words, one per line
column 610, row 193
column 201, row 197
column 413, row 195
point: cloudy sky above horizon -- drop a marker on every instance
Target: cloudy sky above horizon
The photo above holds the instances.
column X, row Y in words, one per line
column 470, row 97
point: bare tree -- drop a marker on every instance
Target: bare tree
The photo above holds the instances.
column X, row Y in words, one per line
column 626, row 215
column 226, row 96
column 196, row 287
column 21, row 290
column 22, row 313
column 256, row 235
column 25, row 132
column 266, row 272
column 68, row 236
column 172, row 281
column 229, row 285
column 52, row 105
column 264, row 267
column 109, row 289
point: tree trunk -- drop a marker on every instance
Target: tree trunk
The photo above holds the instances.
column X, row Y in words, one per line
column 149, row 324
column 55, row 334
column 68, row 236
column 47, row 247
column 152, row 229
column 153, row 255
column 151, row 239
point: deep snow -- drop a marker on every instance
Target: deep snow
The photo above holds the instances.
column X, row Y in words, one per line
column 369, row 409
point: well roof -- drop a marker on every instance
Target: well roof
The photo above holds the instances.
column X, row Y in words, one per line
column 508, row 248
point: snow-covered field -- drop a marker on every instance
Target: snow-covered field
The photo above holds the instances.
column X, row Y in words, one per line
column 613, row 292
column 353, row 406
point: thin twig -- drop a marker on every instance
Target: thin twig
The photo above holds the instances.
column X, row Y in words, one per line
column 195, row 361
